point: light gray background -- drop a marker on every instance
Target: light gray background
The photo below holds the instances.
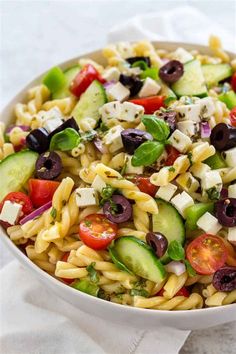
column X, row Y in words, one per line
column 38, row 34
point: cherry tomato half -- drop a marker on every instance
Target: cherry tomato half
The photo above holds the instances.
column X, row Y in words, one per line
column 233, row 82
column 182, row 292
column 150, row 104
column 172, row 155
column 64, row 259
column 96, row 231
column 206, row 254
column 233, row 117
column 145, row 186
column 41, row 191
column 84, row 78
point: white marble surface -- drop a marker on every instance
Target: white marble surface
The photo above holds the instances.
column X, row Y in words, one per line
column 37, row 34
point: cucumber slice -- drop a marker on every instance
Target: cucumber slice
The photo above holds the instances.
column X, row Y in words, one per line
column 168, row 93
column 215, row 161
column 90, row 101
column 138, row 257
column 192, row 83
column 15, row 170
column 69, row 74
column 213, row 73
column 194, row 212
column 168, row 222
column 117, row 262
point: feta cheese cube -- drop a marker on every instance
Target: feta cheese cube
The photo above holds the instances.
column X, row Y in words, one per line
column 166, row 192
column 182, row 55
column 199, row 169
column 10, row 212
column 118, row 92
column 110, row 110
column 188, row 127
column 180, row 141
column 211, row 179
column 52, row 124
column 230, row 157
column 130, row 111
column 113, row 138
column 232, row 191
column 207, row 107
column 111, row 74
column 187, row 182
column 188, row 112
column 132, row 169
column 232, row 235
column 209, row 223
column 150, row 88
column 86, row 197
column 181, row 202
column 98, row 184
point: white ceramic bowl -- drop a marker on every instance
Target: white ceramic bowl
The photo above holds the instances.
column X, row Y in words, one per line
column 135, row 317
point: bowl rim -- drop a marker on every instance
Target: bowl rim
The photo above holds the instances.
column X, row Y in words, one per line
column 14, row 249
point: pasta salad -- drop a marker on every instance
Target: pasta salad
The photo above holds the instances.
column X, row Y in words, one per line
column 119, row 180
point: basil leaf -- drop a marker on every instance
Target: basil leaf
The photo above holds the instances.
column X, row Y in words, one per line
column 89, row 136
column 66, row 140
column 147, row 153
column 94, row 277
column 149, row 72
column 157, row 127
column 139, row 292
column 176, row 251
column 190, row 270
column 140, row 64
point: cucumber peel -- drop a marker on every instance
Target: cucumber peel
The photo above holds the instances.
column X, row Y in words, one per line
column 64, row 91
column 214, row 73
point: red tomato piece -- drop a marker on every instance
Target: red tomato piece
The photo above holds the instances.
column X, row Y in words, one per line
column 84, row 78
column 172, row 155
column 233, row 116
column 145, row 186
column 41, row 191
column 64, row 259
column 150, row 104
column 207, row 253
column 182, row 292
column 96, row 231
column 233, row 82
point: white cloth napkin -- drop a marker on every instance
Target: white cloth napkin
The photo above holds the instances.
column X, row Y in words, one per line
column 35, row 321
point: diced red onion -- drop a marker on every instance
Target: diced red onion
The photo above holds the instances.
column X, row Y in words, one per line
column 177, row 268
column 25, row 128
column 100, row 146
column 205, row 130
column 36, row 213
column 109, row 84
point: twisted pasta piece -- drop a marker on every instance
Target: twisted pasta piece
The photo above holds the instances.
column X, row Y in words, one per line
column 17, row 136
column 88, row 156
column 69, row 163
column 65, row 105
column 174, row 284
column 126, row 232
column 87, row 174
column 141, row 219
column 6, row 150
column 216, row 47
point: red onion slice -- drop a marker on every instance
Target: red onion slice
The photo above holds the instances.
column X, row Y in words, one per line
column 205, row 130
column 109, row 84
column 100, row 146
column 36, row 213
column 25, row 128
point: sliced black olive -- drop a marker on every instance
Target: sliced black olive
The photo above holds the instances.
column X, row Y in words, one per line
column 169, row 117
column 133, row 138
column 118, row 210
column 158, row 242
column 132, row 60
column 69, row 123
column 226, row 212
column 38, row 140
column 224, row 279
column 223, row 136
column 171, row 71
column 132, row 83
column 48, row 165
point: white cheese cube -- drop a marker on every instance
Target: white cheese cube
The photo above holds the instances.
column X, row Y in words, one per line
column 211, row 179
column 209, row 223
column 111, row 74
column 150, row 88
column 232, row 235
column 188, row 127
column 181, row 202
column 166, row 192
column 180, row 141
column 207, row 107
column 232, row 191
column 113, row 138
column 86, row 197
column 130, row 111
column 132, row 169
column 230, row 157
column 98, row 184
column 199, row 169
column 188, row 112
column 110, row 110
column 10, row 212
column 182, row 55
column 177, row 268
column 52, row 124
column 118, row 92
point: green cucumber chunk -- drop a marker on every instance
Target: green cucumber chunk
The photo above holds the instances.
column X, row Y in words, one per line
column 54, row 79
column 229, row 98
column 64, row 91
column 194, row 212
column 215, row 161
column 86, row 286
column 168, row 222
column 168, row 93
column 138, row 257
column 214, row 73
column 192, row 83
column 15, row 170
column 116, row 261
column 90, row 102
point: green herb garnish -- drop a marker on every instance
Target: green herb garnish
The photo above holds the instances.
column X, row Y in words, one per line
column 66, row 140
column 213, row 193
column 147, row 153
column 157, row 127
column 190, row 270
column 53, row 213
column 139, row 292
column 93, row 274
column 176, row 251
